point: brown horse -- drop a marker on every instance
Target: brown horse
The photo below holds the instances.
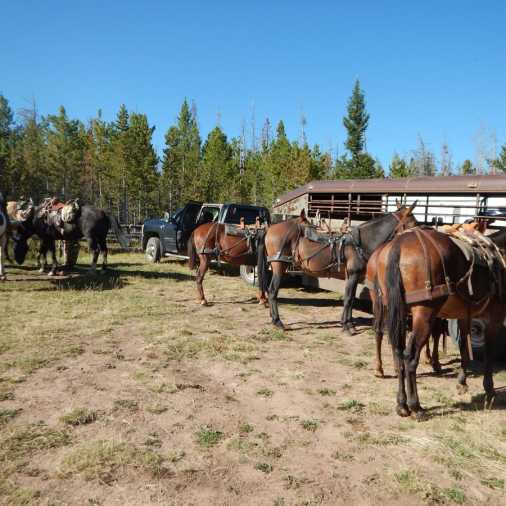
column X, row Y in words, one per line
column 231, row 244
column 426, row 274
column 346, row 257
column 439, row 327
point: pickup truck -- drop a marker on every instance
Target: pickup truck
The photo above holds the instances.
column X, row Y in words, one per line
column 168, row 236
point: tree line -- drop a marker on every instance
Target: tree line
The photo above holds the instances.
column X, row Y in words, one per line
column 114, row 165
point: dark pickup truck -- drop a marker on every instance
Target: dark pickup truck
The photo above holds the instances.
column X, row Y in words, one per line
column 168, row 236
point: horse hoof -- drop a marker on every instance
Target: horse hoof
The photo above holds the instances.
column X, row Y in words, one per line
column 403, row 411
column 204, row 302
column 462, row 389
column 489, row 401
column 279, row 324
column 51, row 273
column 379, row 373
column 3, row 277
column 41, row 270
column 437, row 368
column 420, row 416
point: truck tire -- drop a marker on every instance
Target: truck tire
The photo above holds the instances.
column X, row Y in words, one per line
column 248, row 275
column 153, row 252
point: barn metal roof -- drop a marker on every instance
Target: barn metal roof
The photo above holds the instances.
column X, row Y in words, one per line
column 409, row 185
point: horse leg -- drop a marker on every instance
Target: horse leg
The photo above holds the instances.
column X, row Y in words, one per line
column 103, row 249
column 201, row 272
column 491, row 331
column 3, row 249
column 378, row 330
column 436, row 365
column 54, row 265
column 41, row 257
column 350, row 291
column 278, row 269
column 427, row 358
column 92, row 243
column 464, row 328
column 423, row 317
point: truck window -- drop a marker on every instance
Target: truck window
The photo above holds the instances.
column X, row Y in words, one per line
column 209, row 214
column 235, row 213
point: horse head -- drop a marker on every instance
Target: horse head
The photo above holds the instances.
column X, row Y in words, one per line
column 302, row 219
column 405, row 216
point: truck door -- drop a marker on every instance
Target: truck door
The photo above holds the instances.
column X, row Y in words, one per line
column 187, row 225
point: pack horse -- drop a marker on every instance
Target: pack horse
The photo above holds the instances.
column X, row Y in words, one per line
column 71, row 221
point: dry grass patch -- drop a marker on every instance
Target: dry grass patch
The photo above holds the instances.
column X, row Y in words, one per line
column 79, row 416
column 6, row 415
column 108, row 461
column 24, row 440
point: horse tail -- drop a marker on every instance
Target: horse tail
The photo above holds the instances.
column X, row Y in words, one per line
column 378, row 308
column 122, row 238
column 192, row 253
column 396, row 319
column 262, row 264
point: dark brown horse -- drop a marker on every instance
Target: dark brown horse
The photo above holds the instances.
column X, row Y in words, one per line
column 231, row 244
column 286, row 244
column 424, row 273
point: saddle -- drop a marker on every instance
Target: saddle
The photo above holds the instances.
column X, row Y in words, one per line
column 248, row 234
column 57, row 213
column 480, row 252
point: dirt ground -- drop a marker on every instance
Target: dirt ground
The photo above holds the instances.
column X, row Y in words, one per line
column 121, row 390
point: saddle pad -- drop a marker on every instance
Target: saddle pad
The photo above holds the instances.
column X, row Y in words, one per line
column 313, row 235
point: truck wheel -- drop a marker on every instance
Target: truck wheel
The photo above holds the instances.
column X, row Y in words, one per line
column 248, row 275
column 153, row 250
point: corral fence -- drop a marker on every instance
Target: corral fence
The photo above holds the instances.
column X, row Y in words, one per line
column 133, row 232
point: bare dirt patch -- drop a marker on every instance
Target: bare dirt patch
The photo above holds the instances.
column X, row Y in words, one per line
column 120, row 389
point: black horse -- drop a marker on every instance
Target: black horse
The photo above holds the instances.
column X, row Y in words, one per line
column 89, row 222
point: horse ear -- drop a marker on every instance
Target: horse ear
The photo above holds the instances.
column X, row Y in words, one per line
column 398, row 204
column 303, row 214
column 412, row 206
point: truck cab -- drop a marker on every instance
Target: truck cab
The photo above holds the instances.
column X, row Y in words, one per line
column 168, row 236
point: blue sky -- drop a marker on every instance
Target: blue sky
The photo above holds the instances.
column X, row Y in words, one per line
column 434, row 68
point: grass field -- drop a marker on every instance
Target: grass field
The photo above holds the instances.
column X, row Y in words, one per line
column 121, row 390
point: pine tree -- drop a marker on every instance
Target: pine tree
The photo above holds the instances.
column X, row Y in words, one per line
column 361, row 165
column 142, row 167
column 280, row 163
column 181, row 159
column 356, row 122
column 6, row 132
column 35, row 177
column 399, row 167
column 216, row 173
column 499, row 164
column 467, row 168
column 65, row 154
